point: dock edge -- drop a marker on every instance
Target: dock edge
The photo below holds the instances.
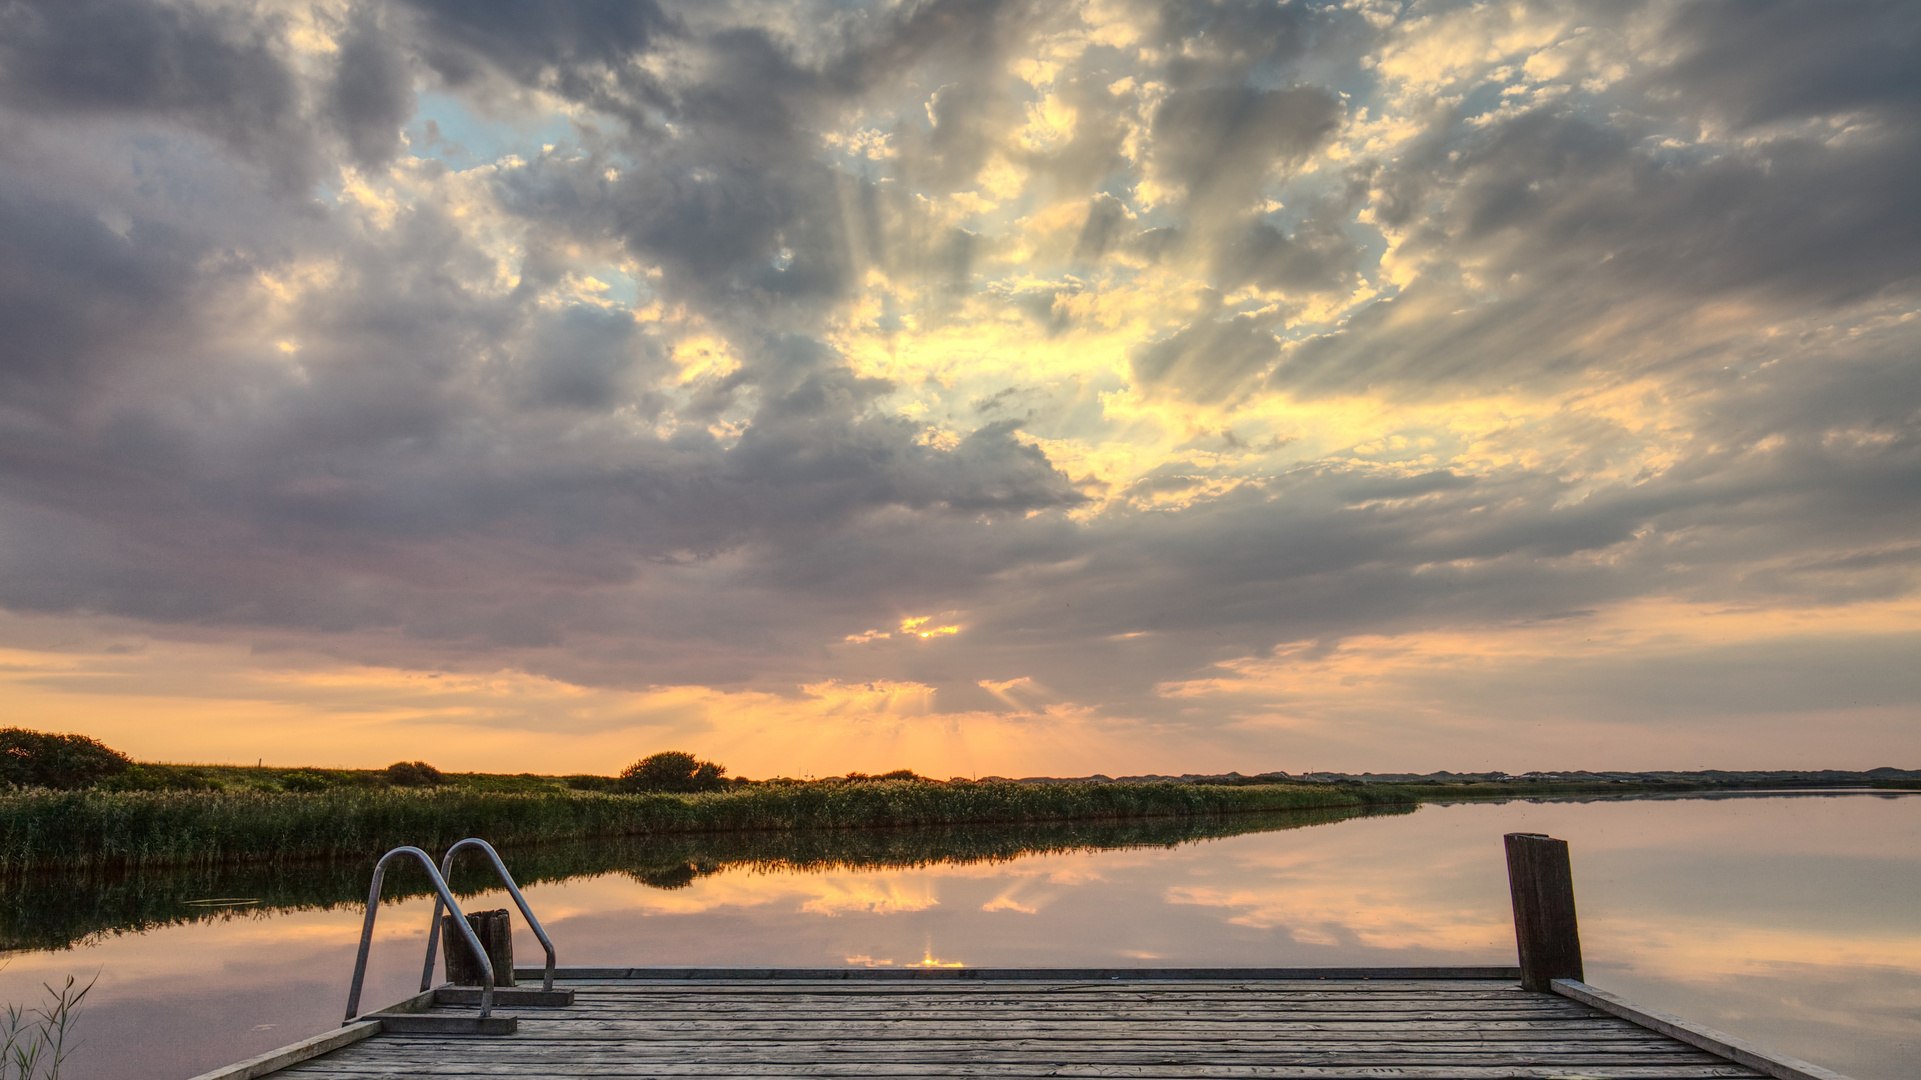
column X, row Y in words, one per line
column 273, row 1061
column 936, row 974
column 1721, row 1044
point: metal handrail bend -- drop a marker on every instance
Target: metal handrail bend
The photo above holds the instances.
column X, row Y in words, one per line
column 446, row 871
column 444, row 896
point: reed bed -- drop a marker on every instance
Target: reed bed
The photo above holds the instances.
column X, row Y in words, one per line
column 61, row 909
column 91, row 829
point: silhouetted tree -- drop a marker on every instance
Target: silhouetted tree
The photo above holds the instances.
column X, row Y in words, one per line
column 414, row 774
column 34, row 759
column 671, row 770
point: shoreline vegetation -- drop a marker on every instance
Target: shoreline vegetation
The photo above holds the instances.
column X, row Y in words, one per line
column 70, row 803
column 185, row 816
column 64, row 909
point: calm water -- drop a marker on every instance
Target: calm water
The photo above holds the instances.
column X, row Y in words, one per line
column 1793, row 920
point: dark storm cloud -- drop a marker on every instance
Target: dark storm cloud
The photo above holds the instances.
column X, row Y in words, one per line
column 373, row 91
column 1755, row 63
column 587, row 358
column 218, row 72
column 568, row 41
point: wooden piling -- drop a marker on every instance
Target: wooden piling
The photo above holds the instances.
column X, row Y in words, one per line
column 496, row 933
column 1541, row 881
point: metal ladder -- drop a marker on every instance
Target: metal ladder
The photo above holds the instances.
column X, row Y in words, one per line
column 485, row 1022
column 446, row 871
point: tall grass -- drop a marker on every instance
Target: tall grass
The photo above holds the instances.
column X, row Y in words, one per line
column 42, row 829
column 60, row 909
column 35, row 1043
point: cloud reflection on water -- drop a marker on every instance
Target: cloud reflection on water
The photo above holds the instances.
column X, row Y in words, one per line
column 1788, row 920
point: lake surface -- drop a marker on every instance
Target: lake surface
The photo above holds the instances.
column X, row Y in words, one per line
column 1790, row 919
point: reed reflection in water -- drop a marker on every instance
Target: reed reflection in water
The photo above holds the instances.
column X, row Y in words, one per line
column 1785, row 919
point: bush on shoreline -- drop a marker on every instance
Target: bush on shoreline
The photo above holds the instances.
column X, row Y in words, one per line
column 36, row 759
column 672, row 770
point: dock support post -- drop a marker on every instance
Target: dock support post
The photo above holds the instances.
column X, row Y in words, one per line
column 496, row 935
column 1542, row 883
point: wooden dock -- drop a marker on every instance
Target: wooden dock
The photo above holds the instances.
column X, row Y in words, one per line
column 1538, row 1021
column 1332, row 1024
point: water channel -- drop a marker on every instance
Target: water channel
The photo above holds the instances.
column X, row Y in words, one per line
column 1790, row 919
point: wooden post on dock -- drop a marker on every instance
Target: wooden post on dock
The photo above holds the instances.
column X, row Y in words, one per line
column 1542, row 882
column 496, row 933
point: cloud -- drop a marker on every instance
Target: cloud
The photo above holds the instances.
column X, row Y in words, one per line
column 1788, row 61
column 690, row 344
column 372, row 92
column 1217, row 144
column 1207, row 360
column 567, row 43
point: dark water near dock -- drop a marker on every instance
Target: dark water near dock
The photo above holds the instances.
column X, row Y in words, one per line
column 1790, row 919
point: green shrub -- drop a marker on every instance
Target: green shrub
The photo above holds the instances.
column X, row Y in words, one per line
column 145, row 777
column 897, row 774
column 586, row 782
column 674, row 771
column 414, row 774
column 306, row 781
column 33, row 759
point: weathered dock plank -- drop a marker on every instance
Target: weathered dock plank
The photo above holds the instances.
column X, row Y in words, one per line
column 562, row 1069
column 1140, row 1025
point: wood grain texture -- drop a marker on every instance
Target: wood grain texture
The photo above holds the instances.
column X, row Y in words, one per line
column 1003, row 975
column 495, row 929
column 1541, row 881
column 1223, row 1024
column 558, row 1067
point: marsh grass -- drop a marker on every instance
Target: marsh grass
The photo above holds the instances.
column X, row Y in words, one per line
column 42, row 829
column 35, row 1042
column 66, row 908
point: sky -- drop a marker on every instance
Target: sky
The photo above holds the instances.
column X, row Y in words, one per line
column 975, row 387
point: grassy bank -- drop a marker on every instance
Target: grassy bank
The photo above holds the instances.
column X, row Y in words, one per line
column 63, row 908
column 41, row 829
column 240, row 819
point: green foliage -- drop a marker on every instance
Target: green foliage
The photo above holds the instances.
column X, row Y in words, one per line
column 507, row 782
column 34, row 1043
column 34, row 759
column 78, row 829
column 305, row 781
column 672, row 770
column 897, row 774
column 141, row 776
column 82, row 906
column 414, row 774
column 584, row 782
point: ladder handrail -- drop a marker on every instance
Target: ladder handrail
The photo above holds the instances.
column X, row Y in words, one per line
column 444, row 896
column 507, row 879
